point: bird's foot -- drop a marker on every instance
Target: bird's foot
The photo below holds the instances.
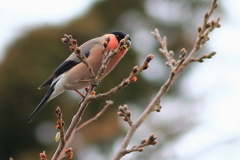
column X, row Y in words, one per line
column 93, row 92
column 80, row 93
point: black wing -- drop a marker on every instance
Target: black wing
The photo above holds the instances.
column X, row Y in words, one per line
column 71, row 61
column 65, row 66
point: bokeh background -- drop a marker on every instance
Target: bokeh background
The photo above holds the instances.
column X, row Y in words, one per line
column 200, row 117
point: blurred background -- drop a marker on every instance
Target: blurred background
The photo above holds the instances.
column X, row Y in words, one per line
column 200, row 115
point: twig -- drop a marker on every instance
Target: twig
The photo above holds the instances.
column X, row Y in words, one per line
column 203, row 32
column 125, row 113
column 60, row 126
column 177, row 69
column 206, row 56
column 145, row 142
column 68, row 154
column 73, row 46
column 108, row 56
column 107, row 105
column 125, row 82
column 70, row 132
column 169, row 55
column 43, row 156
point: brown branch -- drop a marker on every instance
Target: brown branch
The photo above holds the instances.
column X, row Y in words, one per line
column 68, row 154
column 107, row 105
column 177, row 69
column 108, row 56
column 169, row 55
column 125, row 82
column 70, row 132
column 125, row 113
column 145, row 142
column 73, row 46
column 201, row 59
column 203, row 32
column 60, row 126
column 43, row 156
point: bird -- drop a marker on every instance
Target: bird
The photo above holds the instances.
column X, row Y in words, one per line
column 72, row 74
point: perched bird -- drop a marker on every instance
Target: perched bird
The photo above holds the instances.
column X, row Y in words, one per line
column 74, row 75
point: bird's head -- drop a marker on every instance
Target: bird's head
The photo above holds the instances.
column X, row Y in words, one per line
column 121, row 35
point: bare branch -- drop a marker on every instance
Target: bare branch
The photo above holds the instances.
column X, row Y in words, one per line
column 74, row 47
column 145, row 142
column 43, row 156
column 68, row 154
column 60, row 125
column 169, row 55
column 206, row 56
column 203, row 32
column 125, row 82
column 107, row 105
column 125, row 113
column 108, row 56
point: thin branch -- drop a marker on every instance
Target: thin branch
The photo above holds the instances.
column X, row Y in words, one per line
column 203, row 32
column 68, row 154
column 70, row 132
column 110, row 55
column 73, row 46
column 125, row 113
column 145, row 142
column 60, row 126
column 169, row 55
column 43, row 156
column 107, row 105
column 125, row 82
column 201, row 59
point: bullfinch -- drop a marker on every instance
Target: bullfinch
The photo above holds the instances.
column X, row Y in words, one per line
column 74, row 75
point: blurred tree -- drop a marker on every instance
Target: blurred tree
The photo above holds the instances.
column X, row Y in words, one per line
column 33, row 57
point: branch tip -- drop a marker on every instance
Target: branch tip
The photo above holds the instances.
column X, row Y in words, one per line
column 43, row 156
column 125, row 113
column 149, row 58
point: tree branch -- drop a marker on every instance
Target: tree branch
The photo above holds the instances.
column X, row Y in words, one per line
column 176, row 70
column 107, row 105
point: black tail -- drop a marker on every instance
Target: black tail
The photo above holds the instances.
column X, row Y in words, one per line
column 37, row 110
column 42, row 104
column 47, row 82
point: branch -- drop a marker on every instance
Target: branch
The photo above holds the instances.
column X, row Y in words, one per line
column 68, row 154
column 60, row 126
column 125, row 82
column 107, row 56
column 176, row 69
column 169, row 55
column 73, row 46
column 107, row 105
column 145, row 142
column 125, row 113
column 43, row 156
column 206, row 56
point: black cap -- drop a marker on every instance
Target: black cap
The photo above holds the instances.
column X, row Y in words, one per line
column 119, row 35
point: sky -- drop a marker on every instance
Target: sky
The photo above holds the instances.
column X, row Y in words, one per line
column 217, row 135
column 16, row 20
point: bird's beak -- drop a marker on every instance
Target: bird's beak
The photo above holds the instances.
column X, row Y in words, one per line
column 127, row 45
